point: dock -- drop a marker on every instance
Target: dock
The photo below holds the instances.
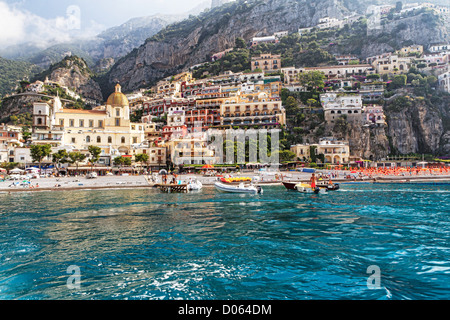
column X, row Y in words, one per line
column 169, row 188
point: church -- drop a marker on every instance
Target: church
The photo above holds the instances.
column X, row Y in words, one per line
column 107, row 126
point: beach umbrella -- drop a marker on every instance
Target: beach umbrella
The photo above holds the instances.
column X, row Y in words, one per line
column 2, row 170
column 16, row 171
column 163, row 171
column 208, row 166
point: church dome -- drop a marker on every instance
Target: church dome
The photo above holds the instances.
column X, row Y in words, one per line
column 117, row 99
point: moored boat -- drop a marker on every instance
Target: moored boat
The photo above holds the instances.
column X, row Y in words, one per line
column 306, row 188
column 241, row 188
column 329, row 187
column 290, row 185
column 194, row 185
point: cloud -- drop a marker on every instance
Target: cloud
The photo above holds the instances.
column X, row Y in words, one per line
column 21, row 26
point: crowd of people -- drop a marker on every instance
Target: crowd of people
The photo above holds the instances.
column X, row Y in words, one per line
column 402, row 171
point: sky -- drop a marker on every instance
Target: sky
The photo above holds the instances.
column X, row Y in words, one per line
column 44, row 21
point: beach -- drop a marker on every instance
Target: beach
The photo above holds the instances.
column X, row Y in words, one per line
column 148, row 181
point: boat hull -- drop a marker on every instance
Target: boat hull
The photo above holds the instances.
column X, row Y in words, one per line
column 237, row 189
column 290, row 185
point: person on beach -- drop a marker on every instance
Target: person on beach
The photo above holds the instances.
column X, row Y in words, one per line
column 312, row 181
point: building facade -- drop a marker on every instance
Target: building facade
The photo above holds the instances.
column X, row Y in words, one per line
column 266, row 62
column 108, row 127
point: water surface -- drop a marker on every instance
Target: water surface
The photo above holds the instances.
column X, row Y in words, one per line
column 142, row 244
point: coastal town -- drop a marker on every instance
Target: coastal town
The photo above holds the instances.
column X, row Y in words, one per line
column 166, row 126
column 225, row 150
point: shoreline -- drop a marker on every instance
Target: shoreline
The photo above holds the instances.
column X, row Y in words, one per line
column 142, row 182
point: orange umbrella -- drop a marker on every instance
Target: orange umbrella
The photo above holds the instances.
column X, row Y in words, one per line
column 208, row 166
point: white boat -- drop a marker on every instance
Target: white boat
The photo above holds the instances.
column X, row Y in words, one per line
column 92, row 175
column 306, row 188
column 241, row 188
column 194, row 185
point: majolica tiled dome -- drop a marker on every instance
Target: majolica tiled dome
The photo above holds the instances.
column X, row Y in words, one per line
column 117, row 99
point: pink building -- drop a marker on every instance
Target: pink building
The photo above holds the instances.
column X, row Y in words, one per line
column 374, row 114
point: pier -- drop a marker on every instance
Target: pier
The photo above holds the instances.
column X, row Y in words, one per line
column 169, row 188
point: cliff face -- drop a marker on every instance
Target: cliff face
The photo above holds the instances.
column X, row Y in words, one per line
column 16, row 105
column 415, row 126
column 73, row 73
column 192, row 41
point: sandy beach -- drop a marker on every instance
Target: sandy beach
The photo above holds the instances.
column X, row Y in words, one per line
column 144, row 181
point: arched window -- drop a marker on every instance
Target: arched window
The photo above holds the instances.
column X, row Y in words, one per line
column 122, row 140
column 109, row 139
column 99, row 139
column 88, row 139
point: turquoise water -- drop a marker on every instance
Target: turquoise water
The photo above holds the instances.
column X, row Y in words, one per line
column 141, row 244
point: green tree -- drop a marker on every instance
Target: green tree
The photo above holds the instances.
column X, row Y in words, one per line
column 312, row 80
column 311, row 102
column 95, row 155
column 26, row 134
column 76, row 157
column 60, row 157
column 142, row 158
column 286, row 155
column 399, row 81
column 39, row 152
column 240, row 43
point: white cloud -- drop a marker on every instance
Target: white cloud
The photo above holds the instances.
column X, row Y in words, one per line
column 19, row 26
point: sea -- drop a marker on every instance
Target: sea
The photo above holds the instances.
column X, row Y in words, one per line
column 362, row 242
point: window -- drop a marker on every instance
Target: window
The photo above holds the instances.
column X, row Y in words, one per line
column 72, row 123
column 117, row 112
column 99, row 139
column 117, row 122
column 73, row 140
column 109, row 139
column 88, row 139
column 100, row 123
column 122, row 140
column 91, row 123
column 39, row 121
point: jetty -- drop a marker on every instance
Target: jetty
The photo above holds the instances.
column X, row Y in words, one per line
column 170, row 188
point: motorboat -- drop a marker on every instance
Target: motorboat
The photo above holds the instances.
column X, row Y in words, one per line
column 194, row 185
column 329, row 187
column 290, row 185
column 306, row 188
column 241, row 188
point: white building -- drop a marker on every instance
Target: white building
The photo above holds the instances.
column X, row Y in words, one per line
column 444, row 81
column 336, row 105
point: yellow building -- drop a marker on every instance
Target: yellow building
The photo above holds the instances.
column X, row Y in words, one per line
column 335, row 152
column 108, row 127
column 266, row 62
column 256, row 110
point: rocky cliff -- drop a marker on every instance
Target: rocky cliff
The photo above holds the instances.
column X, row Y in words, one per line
column 194, row 40
column 417, row 126
column 72, row 72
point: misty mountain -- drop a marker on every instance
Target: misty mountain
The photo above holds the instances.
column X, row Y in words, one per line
column 113, row 43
